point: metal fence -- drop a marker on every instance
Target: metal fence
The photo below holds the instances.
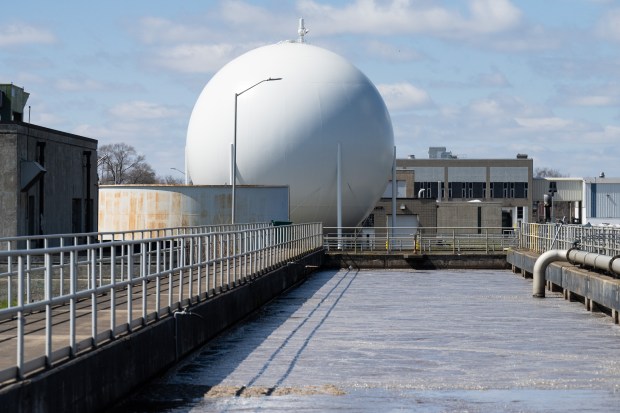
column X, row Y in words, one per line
column 544, row 237
column 105, row 289
column 455, row 240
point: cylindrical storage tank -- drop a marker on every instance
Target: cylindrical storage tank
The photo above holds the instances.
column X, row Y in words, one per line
column 288, row 130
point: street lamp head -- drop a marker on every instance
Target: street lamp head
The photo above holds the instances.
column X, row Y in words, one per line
column 234, row 147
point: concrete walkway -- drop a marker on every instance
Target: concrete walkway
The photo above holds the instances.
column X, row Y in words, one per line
column 35, row 324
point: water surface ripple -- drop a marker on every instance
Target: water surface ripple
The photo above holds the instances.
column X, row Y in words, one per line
column 424, row 341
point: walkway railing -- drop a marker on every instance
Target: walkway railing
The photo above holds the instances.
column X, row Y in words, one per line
column 453, row 240
column 106, row 289
column 544, row 237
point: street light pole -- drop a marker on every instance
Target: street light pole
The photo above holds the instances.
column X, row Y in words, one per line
column 234, row 154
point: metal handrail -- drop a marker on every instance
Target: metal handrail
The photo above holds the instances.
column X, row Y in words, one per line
column 154, row 277
column 540, row 238
column 34, row 241
column 421, row 239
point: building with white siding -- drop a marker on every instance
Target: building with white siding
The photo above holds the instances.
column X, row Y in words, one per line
column 577, row 200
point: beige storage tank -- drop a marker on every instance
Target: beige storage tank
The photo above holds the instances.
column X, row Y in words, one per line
column 138, row 207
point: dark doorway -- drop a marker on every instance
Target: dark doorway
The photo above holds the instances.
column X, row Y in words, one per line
column 506, row 220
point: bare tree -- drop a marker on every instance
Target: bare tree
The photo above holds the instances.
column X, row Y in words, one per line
column 170, row 180
column 547, row 173
column 119, row 163
column 142, row 173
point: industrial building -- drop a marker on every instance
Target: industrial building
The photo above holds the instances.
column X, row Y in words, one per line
column 593, row 200
column 445, row 191
column 48, row 178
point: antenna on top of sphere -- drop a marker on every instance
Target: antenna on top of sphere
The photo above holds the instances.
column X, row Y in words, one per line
column 302, row 31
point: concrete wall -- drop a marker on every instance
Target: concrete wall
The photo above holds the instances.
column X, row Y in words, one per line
column 47, row 206
column 465, row 214
column 575, row 282
column 97, row 380
column 9, row 181
column 415, row 261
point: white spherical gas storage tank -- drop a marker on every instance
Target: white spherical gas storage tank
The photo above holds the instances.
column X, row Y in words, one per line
column 288, row 131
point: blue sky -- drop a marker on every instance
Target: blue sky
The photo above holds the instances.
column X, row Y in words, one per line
column 485, row 78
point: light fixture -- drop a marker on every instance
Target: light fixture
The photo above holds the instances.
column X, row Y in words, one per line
column 234, row 157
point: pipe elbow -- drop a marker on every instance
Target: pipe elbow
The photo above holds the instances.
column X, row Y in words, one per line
column 540, row 267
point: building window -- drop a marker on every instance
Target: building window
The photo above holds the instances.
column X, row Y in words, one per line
column 508, row 190
column 520, row 190
column 520, row 213
column 466, row 190
column 430, row 189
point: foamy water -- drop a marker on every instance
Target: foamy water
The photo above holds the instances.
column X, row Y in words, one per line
column 424, row 341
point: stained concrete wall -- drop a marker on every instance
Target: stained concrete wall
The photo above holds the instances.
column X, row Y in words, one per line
column 138, row 207
column 95, row 381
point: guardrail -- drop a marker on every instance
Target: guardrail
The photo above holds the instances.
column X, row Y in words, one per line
column 139, row 281
column 455, row 240
column 62, row 240
column 544, row 237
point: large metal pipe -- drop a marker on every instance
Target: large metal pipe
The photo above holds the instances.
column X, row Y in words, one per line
column 598, row 261
column 540, row 266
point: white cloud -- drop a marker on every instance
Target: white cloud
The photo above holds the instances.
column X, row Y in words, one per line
column 399, row 96
column 196, row 58
column 493, row 79
column 246, row 15
column 603, row 95
column 609, row 134
column 545, row 124
column 155, row 30
column 78, row 85
column 140, row 110
column 489, row 16
column 608, row 27
column 593, row 100
column 487, row 108
column 20, row 34
column 400, row 16
column 392, row 52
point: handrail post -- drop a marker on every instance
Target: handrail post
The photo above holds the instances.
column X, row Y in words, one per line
column 20, row 317
column 72, row 302
column 486, row 239
column 48, row 308
column 453, row 241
